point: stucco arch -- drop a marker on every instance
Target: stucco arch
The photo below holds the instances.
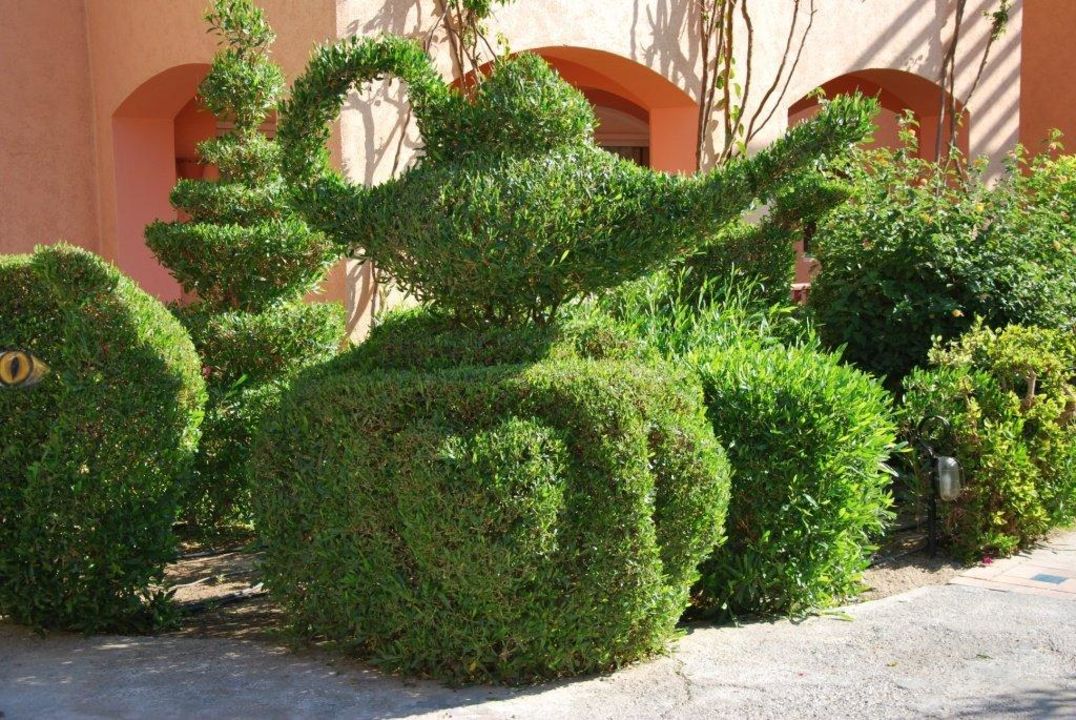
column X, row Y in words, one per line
column 154, row 131
column 635, row 105
column 624, row 85
column 898, row 92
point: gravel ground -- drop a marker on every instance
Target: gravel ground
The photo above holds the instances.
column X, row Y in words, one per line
column 939, row 651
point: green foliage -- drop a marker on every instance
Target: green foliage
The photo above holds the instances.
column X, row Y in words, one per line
column 249, row 258
column 91, row 458
column 923, row 248
column 764, row 252
column 676, row 313
column 510, row 522
column 808, row 439
column 248, row 358
column 1010, row 398
column 514, row 211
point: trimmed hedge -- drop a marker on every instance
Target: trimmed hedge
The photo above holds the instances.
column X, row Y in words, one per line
column 808, row 439
column 1010, row 398
column 508, row 523
column 90, row 459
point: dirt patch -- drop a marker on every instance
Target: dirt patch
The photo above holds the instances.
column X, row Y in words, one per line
column 221, row 595
column 903, row 564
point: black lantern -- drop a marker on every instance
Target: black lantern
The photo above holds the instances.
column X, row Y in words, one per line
column 946, row 477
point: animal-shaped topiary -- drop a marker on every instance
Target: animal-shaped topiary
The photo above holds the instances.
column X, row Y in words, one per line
column 513, row 210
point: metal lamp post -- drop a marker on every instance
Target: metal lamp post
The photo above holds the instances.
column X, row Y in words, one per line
column 946, row 480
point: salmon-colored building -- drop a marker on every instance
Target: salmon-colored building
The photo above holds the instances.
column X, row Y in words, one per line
column 100, row 116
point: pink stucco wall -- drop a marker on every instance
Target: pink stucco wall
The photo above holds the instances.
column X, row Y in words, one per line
column 1048, row 101
column 47, row 181
column 161, row 46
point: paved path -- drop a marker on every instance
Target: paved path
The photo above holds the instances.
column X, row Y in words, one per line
column 1047, row 571
column 958, row 650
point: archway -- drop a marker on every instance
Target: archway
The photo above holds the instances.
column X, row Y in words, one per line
column 155, row 131
column 898, row 93
column 642, row 115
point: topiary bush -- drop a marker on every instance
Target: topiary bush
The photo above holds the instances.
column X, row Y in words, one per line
column 513, row 211
column 808, row 439
column 504, row 522
column 91, row 459
column 923, row 248
column 470, row 496
column 249, row 258
column 1010, row 398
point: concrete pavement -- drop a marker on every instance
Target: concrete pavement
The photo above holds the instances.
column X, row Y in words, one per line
column 957, row 650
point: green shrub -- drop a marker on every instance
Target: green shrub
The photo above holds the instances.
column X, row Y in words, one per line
column 1010, row 398
column 921, row 249
column 510, row 522
column 250, row 259
column 808, row 439
column 91, row 458
column 513, row 211
column 247, row 359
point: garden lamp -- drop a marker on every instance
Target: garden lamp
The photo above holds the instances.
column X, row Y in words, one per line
column 945, row 478
column 19, row 369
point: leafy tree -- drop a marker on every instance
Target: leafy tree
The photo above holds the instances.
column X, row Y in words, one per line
column 924, row 247
column 248, row 258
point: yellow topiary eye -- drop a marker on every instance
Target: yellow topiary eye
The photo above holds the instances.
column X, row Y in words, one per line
column 20, row 369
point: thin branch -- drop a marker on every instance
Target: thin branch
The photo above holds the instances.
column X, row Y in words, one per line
column 947, row 101
column 791, row 70
column 750, row 58
column 753, row 124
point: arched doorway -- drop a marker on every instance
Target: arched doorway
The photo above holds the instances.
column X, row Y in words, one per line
column 898, row 93
column 155, row 131
column 642, row 115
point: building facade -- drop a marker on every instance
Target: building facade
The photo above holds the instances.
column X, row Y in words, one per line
column 101, row 116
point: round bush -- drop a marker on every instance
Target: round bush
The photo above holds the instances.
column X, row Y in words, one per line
column 89, row 458
column 807, row 438
column 507, row 522
column 921, row 249
column 1010, row 399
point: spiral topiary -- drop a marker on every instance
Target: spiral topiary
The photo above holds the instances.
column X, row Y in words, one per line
column 249, row 258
